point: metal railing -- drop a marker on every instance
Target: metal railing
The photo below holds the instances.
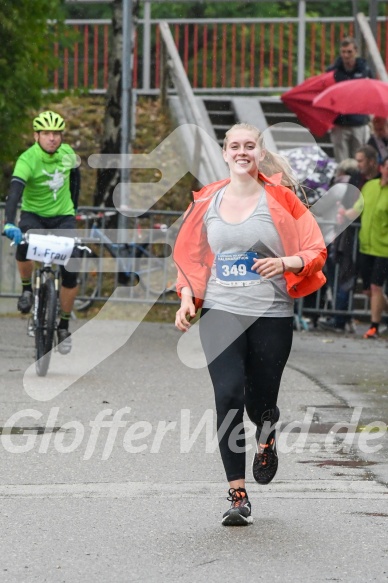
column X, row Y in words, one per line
column 200, row 147
column 218, row 55
column 108, row 266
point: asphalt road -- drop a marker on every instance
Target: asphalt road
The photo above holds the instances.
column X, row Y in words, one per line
column 110, row 471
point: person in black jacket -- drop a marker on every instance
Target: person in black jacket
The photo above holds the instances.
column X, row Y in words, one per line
column 350, row 132
column 341, row 251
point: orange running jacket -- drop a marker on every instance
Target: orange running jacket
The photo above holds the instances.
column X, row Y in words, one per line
column 297, row 228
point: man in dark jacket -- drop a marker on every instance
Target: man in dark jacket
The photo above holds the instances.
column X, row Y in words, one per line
column 350, row 132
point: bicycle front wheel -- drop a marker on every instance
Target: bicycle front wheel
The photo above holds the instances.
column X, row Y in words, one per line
column 154, row 267
column 45, row 327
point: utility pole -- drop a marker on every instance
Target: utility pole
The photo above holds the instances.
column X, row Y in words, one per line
column 126, row 100
column 373, row 11
column 301, row 40
column 357, row 32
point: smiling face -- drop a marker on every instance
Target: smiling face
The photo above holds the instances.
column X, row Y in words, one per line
column 242, row 152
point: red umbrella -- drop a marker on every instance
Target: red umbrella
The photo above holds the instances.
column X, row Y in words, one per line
column 356, row 96
column 300, row 101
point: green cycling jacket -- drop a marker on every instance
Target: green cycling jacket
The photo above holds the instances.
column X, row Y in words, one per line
column 374, row 219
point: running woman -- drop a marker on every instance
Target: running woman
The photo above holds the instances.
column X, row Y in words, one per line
column 247, row 247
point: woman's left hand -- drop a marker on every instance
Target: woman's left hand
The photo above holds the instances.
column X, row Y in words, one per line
column 268, row 266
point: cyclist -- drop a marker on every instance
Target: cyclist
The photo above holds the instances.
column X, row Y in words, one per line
column 47, row 181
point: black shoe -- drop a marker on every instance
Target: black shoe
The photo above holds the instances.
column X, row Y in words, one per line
column 64, row 341
column 239, row 514
column 25, row 302
column 265, row 462
column 331, row 326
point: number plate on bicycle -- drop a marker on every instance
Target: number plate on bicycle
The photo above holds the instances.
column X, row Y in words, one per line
column 50, row 248
column 235, row 269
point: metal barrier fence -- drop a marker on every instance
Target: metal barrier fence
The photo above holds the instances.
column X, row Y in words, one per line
column 269, row 54
column 341, row 288
column 106, row 270
column 147, row 252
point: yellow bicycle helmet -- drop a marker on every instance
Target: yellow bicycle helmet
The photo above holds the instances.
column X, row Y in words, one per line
column 48, row 121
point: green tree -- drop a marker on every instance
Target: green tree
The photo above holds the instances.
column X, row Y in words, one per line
column 75, row 10
column 26, row 54
column 221, row 9
column 260, row 8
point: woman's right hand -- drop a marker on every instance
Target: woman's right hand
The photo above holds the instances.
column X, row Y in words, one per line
column 187, row 309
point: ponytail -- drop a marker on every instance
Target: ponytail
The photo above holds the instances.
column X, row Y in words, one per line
column 274, row 163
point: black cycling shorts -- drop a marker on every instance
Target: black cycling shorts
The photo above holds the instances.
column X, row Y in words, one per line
column 373, row 270
column 62, row 225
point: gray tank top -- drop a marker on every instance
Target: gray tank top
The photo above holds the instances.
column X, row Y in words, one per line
column 269, row 297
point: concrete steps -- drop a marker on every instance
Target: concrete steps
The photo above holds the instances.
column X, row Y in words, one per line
column 262, row 112
column 276, row 112
column 221, row 114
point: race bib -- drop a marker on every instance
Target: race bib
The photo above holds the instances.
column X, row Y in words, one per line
column 50, row 248
column 235, row 269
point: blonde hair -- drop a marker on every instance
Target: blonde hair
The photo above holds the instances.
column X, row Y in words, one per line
column 272, row 163
column 347, row 166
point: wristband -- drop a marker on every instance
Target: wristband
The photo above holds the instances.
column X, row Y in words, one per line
column 284, row 267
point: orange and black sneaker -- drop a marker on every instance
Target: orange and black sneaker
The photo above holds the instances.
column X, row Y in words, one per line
column 371, row 333
column 265, row 461
column 239, row 514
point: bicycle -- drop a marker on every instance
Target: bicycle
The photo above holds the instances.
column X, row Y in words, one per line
column 42, row 324
column 135, row 263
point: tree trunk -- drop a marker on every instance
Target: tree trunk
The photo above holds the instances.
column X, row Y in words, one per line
column 108, row 178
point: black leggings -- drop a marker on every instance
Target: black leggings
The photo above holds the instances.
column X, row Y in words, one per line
column 246, row 373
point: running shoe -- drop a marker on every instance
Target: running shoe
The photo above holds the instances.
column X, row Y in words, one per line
column 330, row 325
column 239, row 513
column 371, row 333
column 25, row 302
column 64, row 341
column 265, row 461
